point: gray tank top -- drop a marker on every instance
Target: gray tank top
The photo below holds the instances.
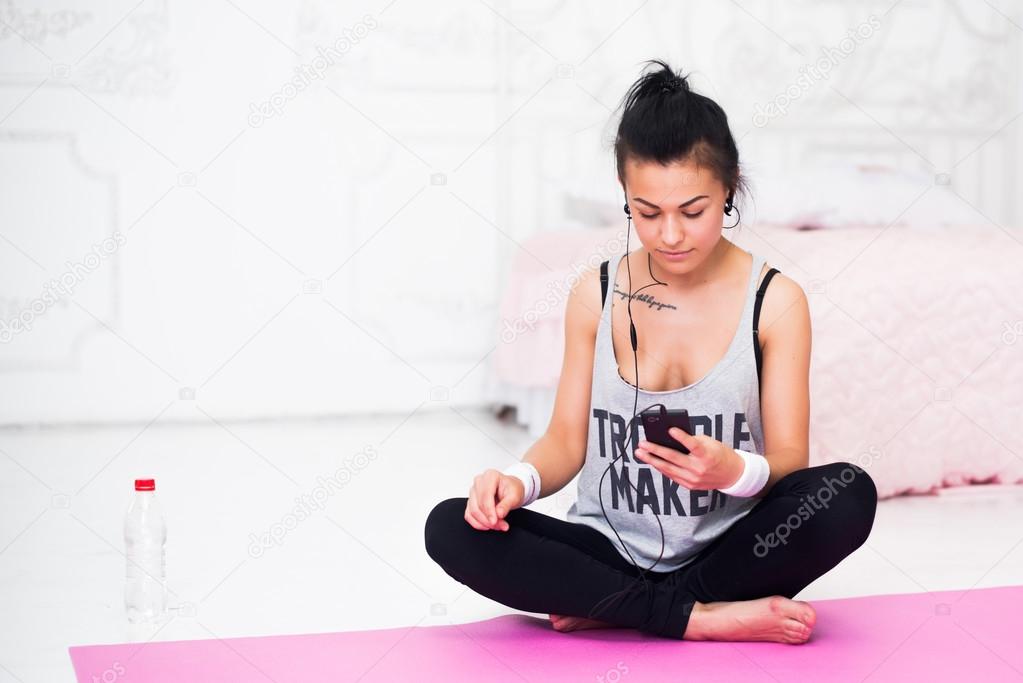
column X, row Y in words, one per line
column 724, row 404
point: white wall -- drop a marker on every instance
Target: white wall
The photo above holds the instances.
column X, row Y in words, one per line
column 346, row 252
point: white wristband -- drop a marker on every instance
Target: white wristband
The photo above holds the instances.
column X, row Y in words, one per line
column 756, row 471
column 530, row 478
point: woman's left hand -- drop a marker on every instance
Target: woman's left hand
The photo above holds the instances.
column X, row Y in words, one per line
column 709, row 465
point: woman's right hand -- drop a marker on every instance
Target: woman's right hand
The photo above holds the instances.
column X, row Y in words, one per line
column 491, row 497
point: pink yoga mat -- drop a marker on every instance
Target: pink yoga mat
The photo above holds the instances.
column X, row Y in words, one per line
column 947, row 635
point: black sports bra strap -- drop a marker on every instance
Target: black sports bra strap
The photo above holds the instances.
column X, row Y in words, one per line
column 756, row 320
column 603, row 283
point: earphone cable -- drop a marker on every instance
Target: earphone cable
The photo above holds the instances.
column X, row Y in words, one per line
column 628, row 440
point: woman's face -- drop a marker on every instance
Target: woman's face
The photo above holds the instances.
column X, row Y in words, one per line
column 675, row 208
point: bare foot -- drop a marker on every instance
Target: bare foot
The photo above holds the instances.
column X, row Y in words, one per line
column 565, row 624
column 775, row 618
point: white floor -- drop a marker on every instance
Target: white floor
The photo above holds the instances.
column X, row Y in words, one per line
column 356, row 560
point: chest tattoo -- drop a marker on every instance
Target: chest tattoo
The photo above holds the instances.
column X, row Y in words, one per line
column 648, row 299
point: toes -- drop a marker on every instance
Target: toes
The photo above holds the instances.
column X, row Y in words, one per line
column 562, row 623
column 807, row 613
column 794, row 625
column 794, row 609
column 794, row 638
column 796, row 629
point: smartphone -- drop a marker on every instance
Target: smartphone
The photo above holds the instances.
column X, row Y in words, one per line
column 656, row 423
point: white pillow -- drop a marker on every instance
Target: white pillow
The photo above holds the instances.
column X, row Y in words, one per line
column 872, row 196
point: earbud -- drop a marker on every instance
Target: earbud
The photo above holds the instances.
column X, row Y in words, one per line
column 627, row 211
column 728, row 204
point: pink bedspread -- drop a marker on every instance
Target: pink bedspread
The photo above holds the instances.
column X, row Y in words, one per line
column 917, row 361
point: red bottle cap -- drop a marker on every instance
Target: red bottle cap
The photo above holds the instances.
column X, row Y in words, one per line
column 145, row 484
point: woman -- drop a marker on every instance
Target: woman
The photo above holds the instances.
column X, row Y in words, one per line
column 711, row 539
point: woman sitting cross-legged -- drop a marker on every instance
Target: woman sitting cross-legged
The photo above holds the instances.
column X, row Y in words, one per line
column 709, row 534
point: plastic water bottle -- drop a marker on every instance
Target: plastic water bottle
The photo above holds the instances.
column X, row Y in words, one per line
column 145, row 538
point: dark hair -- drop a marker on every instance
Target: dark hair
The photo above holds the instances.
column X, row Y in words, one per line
column 664, row 121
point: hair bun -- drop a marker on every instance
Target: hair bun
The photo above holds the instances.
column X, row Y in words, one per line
column 673, row 83
column 664, row 121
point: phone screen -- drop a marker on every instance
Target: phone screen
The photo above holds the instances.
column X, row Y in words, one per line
column 657, row 422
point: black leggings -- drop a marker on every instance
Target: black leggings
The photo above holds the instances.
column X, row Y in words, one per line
column 806, row 524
